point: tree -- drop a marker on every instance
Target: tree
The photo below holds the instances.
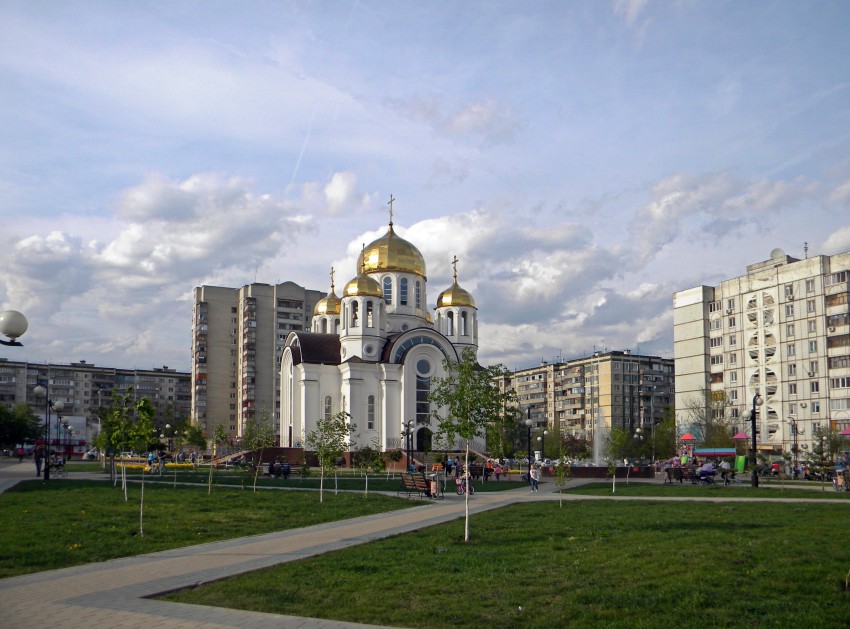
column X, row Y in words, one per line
column 258, row 435
column 826, row 444
column 709, row 419
column 575, row 446
column 329, row 441
column 467, row 401
column 19, row 424
column 219, row 437
column 368, row 458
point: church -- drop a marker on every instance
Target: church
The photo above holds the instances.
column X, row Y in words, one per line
column 375, row 351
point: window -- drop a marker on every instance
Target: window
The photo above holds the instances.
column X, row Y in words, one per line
column 450, row 324
column 792, row 388
column 813, row 326
column 370, row 412
column 836, row 278
column 789, row 310
column 732, row 340
column 810, row 305
column 733, row 358
column 789, row 329
column 417, row 293
column 789, row 291
column 814, row 386
column 731, row 322
column 370, row 308
column 730, row 305
column 792, row 369
column 715, row 342
column 733, row 376
column 813, row 347
column 402, row 292
column 423, row 391
column 733, row 394
column 328, row 407
column 463, row 330
column 354, row 314
column 839, row 383
column 816, row 407
column 716, row 360
column 810, row 286
column 715, row 325
column 388, row 290
column 789, row 349
column 813, row 367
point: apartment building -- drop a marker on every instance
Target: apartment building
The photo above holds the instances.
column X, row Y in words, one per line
column 237, row 339
column 781, row 331
column 83, row 387
column 617, row 388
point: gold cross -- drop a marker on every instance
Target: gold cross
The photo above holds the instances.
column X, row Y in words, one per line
column 391, row 208
column 454, row 265
column 332, row 279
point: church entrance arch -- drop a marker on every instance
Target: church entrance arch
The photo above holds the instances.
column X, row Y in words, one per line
column 423, row 440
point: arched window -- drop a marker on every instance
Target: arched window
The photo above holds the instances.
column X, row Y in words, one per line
column 417, row 293
column 328, row 411
column 354, row 314
column 463, row 331
column 370, row 412
column 423, row 391
column 336, row 326
column 402, row 292
column 450, row 324
column 324, row 326
column 369, row 314
column 388, row 290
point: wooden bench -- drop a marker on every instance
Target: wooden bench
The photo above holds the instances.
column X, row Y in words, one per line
column 681, row 474
column 419, row 485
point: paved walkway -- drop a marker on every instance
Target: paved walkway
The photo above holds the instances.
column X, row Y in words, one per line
column 114, row 593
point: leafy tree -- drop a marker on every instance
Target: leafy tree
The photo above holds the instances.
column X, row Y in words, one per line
column 826, row 444
column 467, row 402
column 257, row 436
column 709, row 420
column 19, row 424
column 506, row 433
column 368, row 458
column 329, row 441
column 220, row 437
column 575, row 446
column 663, row 437
column 619, row 445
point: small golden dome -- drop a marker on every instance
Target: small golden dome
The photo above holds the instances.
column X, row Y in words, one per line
column 363, row 285
column 330, row 305
column 391, row 252
column 455, row 296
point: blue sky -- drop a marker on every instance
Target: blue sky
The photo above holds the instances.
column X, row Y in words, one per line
column 584, row 160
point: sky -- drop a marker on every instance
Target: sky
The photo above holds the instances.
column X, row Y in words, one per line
column 584, row 160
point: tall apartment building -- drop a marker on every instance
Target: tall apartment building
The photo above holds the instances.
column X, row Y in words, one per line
column 621, row 389
column 82, row 387
column 780, row 331
column 237, row 339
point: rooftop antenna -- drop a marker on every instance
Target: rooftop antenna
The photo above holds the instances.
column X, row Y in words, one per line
column 806, row 249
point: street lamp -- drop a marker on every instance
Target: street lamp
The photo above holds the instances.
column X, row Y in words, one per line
column 795, row 431
column 638, row 436
column 12, row 325
column 757, row 401
column 408, row 437
column 49, row 404
column 528, row 424
column 542, row 441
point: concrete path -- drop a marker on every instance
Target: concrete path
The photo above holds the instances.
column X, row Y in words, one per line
column 114, row 593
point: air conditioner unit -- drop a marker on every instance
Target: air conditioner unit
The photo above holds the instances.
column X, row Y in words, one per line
column 811, row 374
column 832, row 328
column 729, row 311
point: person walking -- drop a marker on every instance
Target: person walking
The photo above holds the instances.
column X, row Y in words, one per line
column 38, row 455
column 535, row 478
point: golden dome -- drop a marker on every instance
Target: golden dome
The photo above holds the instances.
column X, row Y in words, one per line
column 330, row 305
column 455, row 296
column 391, row 252
column 363, row 286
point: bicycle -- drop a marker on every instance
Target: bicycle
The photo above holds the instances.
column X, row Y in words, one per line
column 460, row 487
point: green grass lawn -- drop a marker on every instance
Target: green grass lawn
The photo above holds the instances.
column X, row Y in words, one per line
column 705, row 491
column 587, row 564
column 67, row 522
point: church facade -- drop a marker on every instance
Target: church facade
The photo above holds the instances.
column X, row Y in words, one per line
column 375, row 351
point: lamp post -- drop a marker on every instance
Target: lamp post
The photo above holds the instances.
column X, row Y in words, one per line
column 528, row 423
column 542, row 441
column 757, row 401
column 12, row 325
column 408, row 436
column 795, row 448
column 638, row 436
column 49, row 405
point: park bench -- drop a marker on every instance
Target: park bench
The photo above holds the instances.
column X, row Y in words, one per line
column 419, row 485
column 681, row 474
column 475, row 471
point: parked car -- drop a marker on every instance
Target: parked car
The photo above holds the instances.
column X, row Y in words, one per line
column 91, row 454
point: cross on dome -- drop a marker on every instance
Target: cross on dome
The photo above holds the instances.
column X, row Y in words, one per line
column 391, row 208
